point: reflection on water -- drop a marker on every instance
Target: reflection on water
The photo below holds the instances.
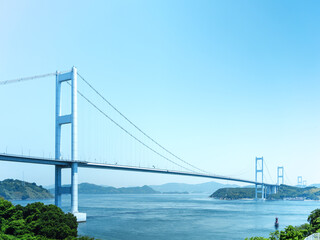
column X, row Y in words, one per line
column 164, row 217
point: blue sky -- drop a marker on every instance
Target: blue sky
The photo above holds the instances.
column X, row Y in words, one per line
column 217, row 82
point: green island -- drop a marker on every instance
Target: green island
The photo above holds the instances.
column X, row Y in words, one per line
column 89, row 188
column 19, row 190
column 11, row 189
column 37, row 221
column 298, row 232
column 284, row 193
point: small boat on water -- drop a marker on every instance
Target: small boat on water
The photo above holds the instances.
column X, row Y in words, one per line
column 276, row 224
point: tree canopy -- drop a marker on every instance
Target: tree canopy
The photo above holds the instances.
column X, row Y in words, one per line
column 298, row 232
column 36, row 221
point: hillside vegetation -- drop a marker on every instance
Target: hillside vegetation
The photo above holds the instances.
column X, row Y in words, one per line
column 36, row 221
column 298, row 232
column 233, row 193
column 284, row 192
column 18, row 190
column 88, row 188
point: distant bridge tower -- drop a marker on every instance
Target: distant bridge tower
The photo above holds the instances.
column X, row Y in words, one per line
column 299, row 181
column 304, row 183
column 259, row 171
column 61, row 120
column 280, row 174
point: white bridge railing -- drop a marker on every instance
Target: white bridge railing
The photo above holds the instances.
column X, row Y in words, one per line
column 315, row 236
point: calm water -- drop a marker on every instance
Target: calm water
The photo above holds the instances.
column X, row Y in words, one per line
column 171, row 217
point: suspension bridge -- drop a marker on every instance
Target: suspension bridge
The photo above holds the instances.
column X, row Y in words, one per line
column 181, row 167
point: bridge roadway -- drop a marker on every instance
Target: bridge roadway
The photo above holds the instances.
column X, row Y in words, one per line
column 84, row 164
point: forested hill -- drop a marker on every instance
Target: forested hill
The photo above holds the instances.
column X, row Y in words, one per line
column 285, row 192
column 233, row 193
column 18, row 190
column 89, row 188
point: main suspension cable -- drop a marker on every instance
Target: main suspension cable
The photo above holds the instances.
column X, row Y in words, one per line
column 271, row 178
column 130, row 134
column 26, row 78
column 135, row 126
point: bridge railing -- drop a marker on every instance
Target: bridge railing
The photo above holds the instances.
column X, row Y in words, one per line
column 315, row 236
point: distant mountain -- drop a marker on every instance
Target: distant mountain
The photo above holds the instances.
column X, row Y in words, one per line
column 18, row 190
column 50, row 187
column 207, row 187
column 88, row 188
column 249, row 186
column 168, row 188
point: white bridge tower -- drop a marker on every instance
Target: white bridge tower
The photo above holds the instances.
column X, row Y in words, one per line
column 61, row 120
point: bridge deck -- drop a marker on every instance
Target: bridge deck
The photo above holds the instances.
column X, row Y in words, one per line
column 67, row 163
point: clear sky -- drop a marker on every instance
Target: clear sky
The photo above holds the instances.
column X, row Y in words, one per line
column 216, row 82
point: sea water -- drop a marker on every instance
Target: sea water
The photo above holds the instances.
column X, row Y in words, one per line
column 187, row 216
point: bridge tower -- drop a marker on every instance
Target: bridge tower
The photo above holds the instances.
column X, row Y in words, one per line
column 61, row 120
column 280, row 174
column 299, row 181
column 259, row 170
column 304, row 183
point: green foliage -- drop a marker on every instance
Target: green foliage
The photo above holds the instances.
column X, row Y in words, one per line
column 284, row 192
column 274, row 235
column 296, row 233
column 311, row 193
column 306, row 229
column 314, row 217
column 15, row 189
column 36, row 221
column 291, row 233
column 88, row 188
column 234, row 193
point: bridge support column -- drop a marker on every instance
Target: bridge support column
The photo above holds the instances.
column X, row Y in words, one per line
column 57, row 187
column 271, row 189
column 81, row 217
column 256, row 193
column 74, row 188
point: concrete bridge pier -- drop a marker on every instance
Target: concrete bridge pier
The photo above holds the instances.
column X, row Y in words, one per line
column 273, row 189
column 262, row 189
column 81, row 217
column 270, row 189
column 57, row 189
column 73, row 190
